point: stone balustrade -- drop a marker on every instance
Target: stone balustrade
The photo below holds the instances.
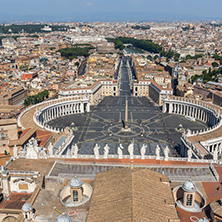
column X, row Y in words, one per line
column 147, row 157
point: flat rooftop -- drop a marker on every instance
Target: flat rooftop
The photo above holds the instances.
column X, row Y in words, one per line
column 8, row 121
column 175, row 173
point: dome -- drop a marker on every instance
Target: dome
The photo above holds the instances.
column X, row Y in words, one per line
column 189, row 186
column 76, row 182
column 27, row 207
column 64, row 218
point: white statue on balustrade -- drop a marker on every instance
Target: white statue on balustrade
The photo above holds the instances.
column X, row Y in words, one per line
column 68, row 153
column 106, row 151
column 32, row 149
column 130, row 150
column 96, row 151
column 215, row 154
column 143, row 151
column 35, row 142
column 15, row 152
column 166, row 153
column 189, row 154
column 120, row 151
column 74, row 150
column 188, row 132
column 43, row 154
column 50, row 149
column 157, row 152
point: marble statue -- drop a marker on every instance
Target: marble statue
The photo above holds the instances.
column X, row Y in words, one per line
column 120, row 151
column 189, row 154
column 96, row 151
column 130, row 150
column 35, row 142
column 143, row 151
column 188, row 132
column 68, row 153
column 166, row 153
column 106, row 151
column 50, row 149
column 32, row 150
column 15, row 152
column 215, row 155
column 74, row 150
column 157, row 152
column 43, row 154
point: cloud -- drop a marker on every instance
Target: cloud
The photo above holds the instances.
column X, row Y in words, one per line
column 90, row 3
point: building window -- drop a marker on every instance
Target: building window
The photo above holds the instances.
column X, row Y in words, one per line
column 189, row 200
column 75, row 196
column 3, row 135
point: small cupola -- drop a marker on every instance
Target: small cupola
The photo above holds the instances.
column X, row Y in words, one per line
column 76, row 190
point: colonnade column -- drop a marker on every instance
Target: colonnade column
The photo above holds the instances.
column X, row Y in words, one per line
column 81, row 107
column 88, row 107
column 164, row 107
column 170, row 107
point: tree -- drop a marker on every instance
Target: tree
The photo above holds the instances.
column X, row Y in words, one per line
column 74, row 52
column 147, row 45
column 26, row 102
column 77, row 64
column 215, row 64
column 188, row 57
column 176, row 57
column 36, row 98
column 119, row 45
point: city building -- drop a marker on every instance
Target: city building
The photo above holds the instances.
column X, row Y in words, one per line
column 13, row 96
column 8, row 131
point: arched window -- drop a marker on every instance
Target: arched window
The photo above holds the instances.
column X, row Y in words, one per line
column 189, row 200
column 75, row 196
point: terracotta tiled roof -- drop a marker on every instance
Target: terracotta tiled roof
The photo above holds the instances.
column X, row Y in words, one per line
column 25, row 135
column 127, row 195
column 15, row 201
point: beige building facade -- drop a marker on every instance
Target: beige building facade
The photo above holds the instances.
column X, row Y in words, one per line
column 152, row 90
column 14, row 96
column 8, row 131
column 95, row 92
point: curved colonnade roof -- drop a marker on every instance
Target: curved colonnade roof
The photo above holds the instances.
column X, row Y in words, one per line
column 206, row 136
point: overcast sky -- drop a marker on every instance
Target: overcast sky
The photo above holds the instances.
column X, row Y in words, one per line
column 109, row 10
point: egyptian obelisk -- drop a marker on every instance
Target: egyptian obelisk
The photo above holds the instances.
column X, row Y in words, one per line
column 126, row 114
